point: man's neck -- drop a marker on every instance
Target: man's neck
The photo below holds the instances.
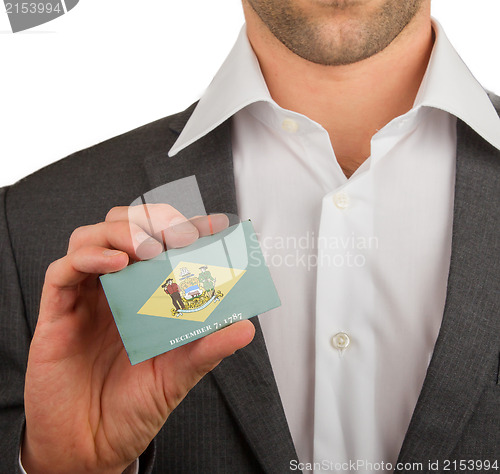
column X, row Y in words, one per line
column 351, row 102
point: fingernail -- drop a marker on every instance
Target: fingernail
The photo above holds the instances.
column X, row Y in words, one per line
column 142, row 237
column 182, row 226
column 111, row 253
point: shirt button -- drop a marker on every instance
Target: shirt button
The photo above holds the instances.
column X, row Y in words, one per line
column 340, row 341
column 341, row 200
column 290, row 125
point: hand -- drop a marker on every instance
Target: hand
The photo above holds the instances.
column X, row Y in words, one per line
column 87, row 409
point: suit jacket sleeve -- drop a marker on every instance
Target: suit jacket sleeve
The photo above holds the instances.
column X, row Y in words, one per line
column 15, row 338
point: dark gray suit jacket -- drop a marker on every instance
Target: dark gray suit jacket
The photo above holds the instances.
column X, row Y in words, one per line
column 233, row 420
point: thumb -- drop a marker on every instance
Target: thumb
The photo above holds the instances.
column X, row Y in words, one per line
column 182, row 368
column 206, row 353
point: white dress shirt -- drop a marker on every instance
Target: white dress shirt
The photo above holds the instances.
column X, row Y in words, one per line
column 360, row 264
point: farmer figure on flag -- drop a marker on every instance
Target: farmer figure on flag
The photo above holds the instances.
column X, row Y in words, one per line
column 172, row 289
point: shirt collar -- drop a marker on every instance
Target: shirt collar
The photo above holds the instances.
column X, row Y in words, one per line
column 450, row 86
column 238, row 83
column 447, row 85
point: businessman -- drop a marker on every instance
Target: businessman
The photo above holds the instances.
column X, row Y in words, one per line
column 351, row 126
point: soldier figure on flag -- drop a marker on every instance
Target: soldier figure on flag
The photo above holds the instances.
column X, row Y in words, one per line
column 206, row 279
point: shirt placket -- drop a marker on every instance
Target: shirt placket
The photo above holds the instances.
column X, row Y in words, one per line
column 343, row 311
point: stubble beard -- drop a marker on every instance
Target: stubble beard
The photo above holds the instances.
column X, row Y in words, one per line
column 337, row 38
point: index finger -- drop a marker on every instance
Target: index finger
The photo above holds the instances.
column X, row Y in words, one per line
column 162, row 221
column 167, row 224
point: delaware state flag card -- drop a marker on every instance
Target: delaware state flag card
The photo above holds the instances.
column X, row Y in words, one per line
column 185, row 294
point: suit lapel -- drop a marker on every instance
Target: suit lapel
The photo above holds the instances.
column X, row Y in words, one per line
column 209, row 159
column 466, row 348
column 246, row 379
column 248, row 385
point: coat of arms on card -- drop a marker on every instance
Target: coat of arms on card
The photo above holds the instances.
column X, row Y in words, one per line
column 191, row 291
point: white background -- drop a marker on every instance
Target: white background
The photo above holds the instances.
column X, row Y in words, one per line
column 109, row 66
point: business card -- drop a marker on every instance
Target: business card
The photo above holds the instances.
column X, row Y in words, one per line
column 185, row 294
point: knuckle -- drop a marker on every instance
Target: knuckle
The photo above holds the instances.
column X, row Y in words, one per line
column 167, row 207
column 52, row 270
column 76, row 236
column 160, row 208
column 81, row 236
column 113, row 212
